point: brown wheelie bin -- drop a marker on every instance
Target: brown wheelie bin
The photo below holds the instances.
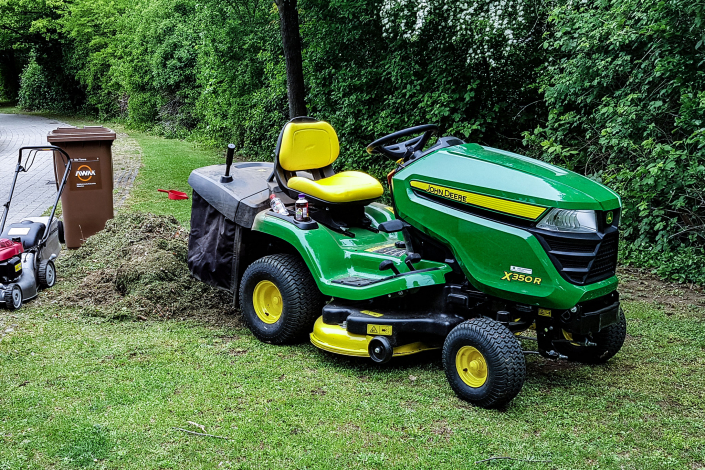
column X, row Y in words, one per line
column 87, row 201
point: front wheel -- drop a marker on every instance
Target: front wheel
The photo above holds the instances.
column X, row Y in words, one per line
column 12, row 297
column 608, row 341
column 279, row 299
column 484, row 363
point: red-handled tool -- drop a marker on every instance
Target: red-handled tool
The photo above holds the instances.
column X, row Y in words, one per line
column 175, row 195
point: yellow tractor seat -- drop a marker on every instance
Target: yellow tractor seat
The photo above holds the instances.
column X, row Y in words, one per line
column 348, row 186
column 307, row 146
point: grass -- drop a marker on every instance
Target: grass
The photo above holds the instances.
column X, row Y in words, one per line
column 167, row 164
column 84, row 392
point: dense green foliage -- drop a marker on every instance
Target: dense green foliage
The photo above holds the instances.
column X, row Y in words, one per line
column 611, row 89
column 625, row 84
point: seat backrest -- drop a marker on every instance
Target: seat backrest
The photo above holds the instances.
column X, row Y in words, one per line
column 308, row 145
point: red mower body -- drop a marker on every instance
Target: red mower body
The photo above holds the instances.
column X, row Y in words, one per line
column 8, row 249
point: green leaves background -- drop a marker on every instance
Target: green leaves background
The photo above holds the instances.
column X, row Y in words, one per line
column 613, row 89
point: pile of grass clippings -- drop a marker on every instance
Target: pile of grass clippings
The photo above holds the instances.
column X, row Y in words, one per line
column 135, row 268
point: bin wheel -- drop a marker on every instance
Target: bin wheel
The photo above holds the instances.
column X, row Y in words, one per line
column 279, row 299
column 62, row 236
column 12, row 297
column 608, row 342
column 484, row 363
column 47, row 274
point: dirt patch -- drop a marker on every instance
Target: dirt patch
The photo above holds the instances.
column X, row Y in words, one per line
column 639, row 285
column 127, row 159
column 137, row 267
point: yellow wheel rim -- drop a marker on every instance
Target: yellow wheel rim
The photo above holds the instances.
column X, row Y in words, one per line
column 268, row 302
column 471, row 366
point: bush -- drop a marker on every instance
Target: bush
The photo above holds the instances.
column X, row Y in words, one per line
column 40, row 90
column 623, row 83
column 142, row 109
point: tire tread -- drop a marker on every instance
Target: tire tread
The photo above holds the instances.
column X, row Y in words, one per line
column 505, row 354
column 304, row 300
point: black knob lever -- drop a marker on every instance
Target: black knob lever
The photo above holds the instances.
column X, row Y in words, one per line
column 229, row 155
column 411, row 260
column 389, row 264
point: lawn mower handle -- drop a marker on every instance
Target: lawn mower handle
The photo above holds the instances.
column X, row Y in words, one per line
column 20, row 168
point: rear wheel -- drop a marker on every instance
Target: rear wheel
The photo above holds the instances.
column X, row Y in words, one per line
column 608, row 342
column 62, row 237
column 47, row 274
column 12, row 296
column 484, row 363
column 279, row 299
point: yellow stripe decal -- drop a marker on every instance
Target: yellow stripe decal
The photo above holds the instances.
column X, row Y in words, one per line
column 518, row 209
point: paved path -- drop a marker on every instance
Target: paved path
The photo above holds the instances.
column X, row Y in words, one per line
column 35, row 190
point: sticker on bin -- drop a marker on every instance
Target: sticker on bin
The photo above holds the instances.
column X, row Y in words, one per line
column 86, row 174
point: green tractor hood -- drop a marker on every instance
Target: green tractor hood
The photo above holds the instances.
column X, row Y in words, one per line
column 484, row 205
column 518, row 178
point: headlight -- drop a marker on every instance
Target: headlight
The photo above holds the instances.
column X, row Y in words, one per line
column 565, row 220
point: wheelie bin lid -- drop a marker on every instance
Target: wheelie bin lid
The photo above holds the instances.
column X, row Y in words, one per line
column 76, row 134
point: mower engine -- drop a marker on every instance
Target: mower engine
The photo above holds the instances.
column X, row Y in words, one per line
column 10, row 260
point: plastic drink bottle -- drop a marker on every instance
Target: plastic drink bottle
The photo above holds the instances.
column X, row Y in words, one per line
column 301, row 207
column 277, row 205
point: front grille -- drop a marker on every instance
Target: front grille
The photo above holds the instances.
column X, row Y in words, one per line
column 605, row 263
column 571, row 245
column 583, row 259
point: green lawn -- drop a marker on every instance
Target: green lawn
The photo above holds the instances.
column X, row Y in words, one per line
column 79, row 391
column 167, row 164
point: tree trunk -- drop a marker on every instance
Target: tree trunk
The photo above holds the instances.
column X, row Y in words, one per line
column 291, row 40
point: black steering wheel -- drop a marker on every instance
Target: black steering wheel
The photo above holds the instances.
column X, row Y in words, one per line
column 403, row 150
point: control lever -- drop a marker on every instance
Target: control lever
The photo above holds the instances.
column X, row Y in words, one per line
column 389, row 264
column 229, row 155
column 411, row 260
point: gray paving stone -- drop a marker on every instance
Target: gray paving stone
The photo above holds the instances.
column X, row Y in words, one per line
column 32, row 195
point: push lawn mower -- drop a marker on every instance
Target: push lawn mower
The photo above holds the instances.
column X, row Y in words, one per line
column 28, row 248
column 479, row 245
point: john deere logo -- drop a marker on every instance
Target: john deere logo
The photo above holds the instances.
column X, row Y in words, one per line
column 609, row 218
column 85, row 173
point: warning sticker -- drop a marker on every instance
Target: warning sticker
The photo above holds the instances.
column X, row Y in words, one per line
column 544, row 312
column 85, row 174
column 371, row 313
column 385, row 330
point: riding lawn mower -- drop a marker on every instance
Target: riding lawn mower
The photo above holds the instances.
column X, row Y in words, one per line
column 477, row 246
